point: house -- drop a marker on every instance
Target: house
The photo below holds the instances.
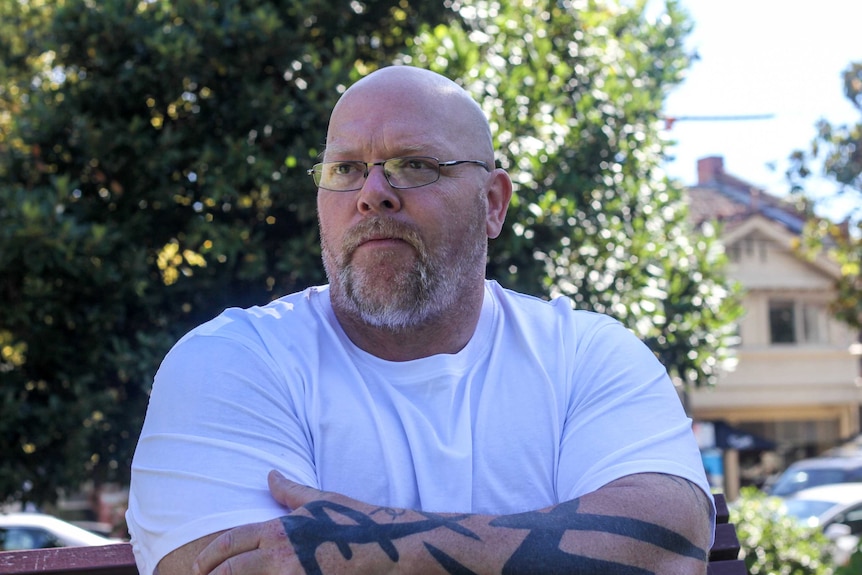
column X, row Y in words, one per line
column 796, row 386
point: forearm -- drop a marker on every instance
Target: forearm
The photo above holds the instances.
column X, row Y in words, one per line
column 640, row 524
column 565, row 538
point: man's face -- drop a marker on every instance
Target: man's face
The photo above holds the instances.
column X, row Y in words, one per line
column 396, row 258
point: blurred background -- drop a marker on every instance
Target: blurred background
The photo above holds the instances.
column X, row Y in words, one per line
column 690, row 168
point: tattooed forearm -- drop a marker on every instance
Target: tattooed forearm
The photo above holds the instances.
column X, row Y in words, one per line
column 391, row 512
column 450, row 564
column 306, row 534
column 539, row 552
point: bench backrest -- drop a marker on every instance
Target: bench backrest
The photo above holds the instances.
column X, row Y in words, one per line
column 724, row 555
column 118, row 559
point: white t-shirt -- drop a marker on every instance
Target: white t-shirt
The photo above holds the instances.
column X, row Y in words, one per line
column 544, row 404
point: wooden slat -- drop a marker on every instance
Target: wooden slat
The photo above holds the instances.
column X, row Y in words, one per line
column 726, row 545
column 100, row 560
column 736, row 567
column 723, row 557
column 722, row 515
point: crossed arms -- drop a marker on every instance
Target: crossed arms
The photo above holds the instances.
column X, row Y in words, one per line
column 639, row 524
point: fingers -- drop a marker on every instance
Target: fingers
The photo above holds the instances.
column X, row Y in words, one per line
column 245, row 564
column 257, row 562
column 222, row 548
column 289, row 493
column 256, row 548
column 239, row 551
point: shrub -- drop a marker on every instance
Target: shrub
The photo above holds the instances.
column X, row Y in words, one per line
column 774, row 543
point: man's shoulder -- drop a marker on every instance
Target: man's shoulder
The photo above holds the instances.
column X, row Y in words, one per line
column 560, row 308
column 296, row 311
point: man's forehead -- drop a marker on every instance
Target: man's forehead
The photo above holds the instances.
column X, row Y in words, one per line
column 388, row 137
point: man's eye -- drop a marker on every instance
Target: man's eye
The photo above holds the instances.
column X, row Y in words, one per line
column 343, row 169
column 417, row 164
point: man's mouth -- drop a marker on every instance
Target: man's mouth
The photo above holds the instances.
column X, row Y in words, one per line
column 380, row 235
column 382, row 240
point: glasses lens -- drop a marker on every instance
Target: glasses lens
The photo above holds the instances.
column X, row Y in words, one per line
column 339, row 176
column 411, row 172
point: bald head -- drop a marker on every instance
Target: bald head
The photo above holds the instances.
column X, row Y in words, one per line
column 441, row 115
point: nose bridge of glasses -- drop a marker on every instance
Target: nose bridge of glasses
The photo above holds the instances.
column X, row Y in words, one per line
column 369, row 165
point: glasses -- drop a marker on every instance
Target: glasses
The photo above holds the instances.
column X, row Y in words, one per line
column 401, row 173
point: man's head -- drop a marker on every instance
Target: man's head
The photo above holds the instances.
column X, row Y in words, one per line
column 397, row 258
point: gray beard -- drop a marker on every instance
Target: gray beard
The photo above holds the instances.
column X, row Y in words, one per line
column 431, row 287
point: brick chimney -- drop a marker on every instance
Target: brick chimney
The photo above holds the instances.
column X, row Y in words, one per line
column 709, row 169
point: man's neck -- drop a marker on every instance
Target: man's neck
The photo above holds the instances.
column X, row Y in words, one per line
column 447, row 333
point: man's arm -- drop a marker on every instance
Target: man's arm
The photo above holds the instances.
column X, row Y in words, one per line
column 639, row 524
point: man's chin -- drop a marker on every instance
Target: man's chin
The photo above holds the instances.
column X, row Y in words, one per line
column 382, row 303
column 394, row 263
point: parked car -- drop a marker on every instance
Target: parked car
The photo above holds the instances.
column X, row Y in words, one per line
column 836, row 509
column 816, row 471
column 38, row 531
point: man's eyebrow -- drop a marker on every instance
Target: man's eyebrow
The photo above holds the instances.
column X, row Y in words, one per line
column 418, row 149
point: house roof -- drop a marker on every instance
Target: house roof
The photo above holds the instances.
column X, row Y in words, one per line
column 743, row 208
column 719, row 196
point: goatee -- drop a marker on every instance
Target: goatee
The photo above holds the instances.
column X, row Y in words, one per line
column 388, row 292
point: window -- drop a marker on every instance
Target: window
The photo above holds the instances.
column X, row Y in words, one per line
column 852, row 517
column 797, row 322
column 18, row 538
column 813, row 318
column 782, row 322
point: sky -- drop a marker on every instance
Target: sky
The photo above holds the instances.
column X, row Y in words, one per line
column 781, row 58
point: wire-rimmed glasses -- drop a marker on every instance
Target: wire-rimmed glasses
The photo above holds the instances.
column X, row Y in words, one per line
column 401, row 173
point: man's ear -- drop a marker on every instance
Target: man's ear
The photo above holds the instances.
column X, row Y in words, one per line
column 499, row 195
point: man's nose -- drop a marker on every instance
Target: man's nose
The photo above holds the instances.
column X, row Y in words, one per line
column 376, row 194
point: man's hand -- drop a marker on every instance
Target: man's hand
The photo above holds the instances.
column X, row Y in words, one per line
column 326, row 533
column 320, row 536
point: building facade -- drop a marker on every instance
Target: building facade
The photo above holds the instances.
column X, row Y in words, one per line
column 797, row 383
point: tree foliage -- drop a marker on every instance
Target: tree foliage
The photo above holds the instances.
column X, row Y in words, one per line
column 152, row 172
column 773, row 542
column 838, row 148
column 575, row 90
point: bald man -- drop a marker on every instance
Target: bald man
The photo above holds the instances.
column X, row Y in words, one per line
column 412, row 416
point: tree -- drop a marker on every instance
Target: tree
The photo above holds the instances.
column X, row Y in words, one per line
column 152, row 172
column 839, row 150
column 576, row 91
column 773, row 542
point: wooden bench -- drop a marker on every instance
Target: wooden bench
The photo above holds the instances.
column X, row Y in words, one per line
column 724, row 555
column 118, row 559
column 103, row 560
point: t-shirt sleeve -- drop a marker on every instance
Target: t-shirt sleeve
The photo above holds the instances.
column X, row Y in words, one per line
column 624, row 416
column 220, row 418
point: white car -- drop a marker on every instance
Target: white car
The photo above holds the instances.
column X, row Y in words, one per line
column 815, row 471
column 836, row 509
column 38, row 531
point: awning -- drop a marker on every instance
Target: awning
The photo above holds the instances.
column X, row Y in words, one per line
column 720, row 434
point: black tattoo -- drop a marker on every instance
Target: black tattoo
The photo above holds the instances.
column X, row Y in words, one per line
column 540, row 552
column 306, row 534
column 449, row 563
column 392, row 513
column 699, row 495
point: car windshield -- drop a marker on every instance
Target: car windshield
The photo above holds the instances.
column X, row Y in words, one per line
column 804, row 478
column 807, row 510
